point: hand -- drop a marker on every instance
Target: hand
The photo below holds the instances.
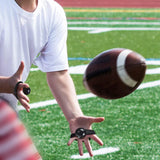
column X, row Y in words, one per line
column 23, row 99
column 84, row 122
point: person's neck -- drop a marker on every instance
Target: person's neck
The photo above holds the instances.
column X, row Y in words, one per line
column 28, row 5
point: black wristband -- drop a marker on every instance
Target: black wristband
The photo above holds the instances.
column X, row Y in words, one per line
column 16, row 88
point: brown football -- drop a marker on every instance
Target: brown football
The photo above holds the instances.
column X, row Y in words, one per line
column 114, row 73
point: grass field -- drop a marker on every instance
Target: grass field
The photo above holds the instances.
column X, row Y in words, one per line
column 131, row 124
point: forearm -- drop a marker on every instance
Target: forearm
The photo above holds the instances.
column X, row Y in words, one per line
column 6, row 85
column 63, row 89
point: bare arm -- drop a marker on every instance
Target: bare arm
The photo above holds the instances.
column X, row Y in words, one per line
column 7, row 85
column 63, row 90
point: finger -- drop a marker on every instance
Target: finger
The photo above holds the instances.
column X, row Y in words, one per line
column 96, row 120
column 89, row 148
column 25, row 104
column 80, row 146
column 25, row 98
column 97, row 139
column 22, row 85
column 20, row 69
column 21, row 91
column 70, row 141
column 21, row 95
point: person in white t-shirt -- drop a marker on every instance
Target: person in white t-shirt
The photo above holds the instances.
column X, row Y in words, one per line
column 35, row 32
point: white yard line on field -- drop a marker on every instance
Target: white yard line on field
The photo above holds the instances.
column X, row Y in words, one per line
column 101, row 151
column 51, row 102
column 153, row 71
column 85, row 96
column 95, row 30
column 113, row 23
column 152, row 62
column 81, row 69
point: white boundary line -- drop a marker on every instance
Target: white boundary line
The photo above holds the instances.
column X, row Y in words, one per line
column 85, row 96
column 95, row 30
column 153, row 71
column 80, row 70
column 113, row 23
column 101, row 151
column 51, row 102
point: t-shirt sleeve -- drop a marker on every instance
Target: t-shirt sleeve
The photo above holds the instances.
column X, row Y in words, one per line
column 54, row 56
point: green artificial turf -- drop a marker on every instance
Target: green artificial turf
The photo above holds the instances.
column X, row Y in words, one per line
column 131, row 123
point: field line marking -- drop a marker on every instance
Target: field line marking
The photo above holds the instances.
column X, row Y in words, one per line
column 149, row 84
column 112, row 18
column 153, row 71
column 80, row 69
column 95, row 30
column 112, row 28
column 101, row 151
column 112, row 23
column 113, row 10
column 53, row 101
column 152, row 62
column 85, row 96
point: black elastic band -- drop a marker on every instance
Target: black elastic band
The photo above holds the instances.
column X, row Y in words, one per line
column 16, row 88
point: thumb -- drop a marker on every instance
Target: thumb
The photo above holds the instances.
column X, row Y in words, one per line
column 20, row 70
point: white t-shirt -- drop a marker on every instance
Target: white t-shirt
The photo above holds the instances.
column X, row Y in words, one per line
column 37, row 37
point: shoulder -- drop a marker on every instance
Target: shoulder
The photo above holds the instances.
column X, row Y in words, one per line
column 55, row 11
column 51, row 4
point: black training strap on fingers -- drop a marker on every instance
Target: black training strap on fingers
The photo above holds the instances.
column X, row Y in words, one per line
column 26, row 91
column 81, row 133
column 16, row 88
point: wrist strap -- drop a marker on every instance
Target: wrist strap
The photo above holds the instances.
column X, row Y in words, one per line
column 16, row 88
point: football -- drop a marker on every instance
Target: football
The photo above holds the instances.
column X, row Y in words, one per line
column 114, row 73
